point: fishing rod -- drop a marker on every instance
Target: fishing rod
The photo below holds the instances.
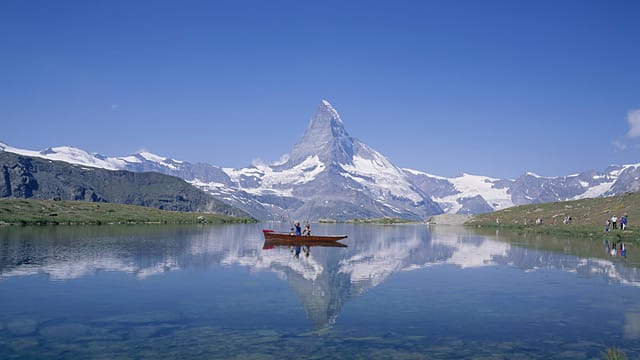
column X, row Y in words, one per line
column 288, row 217
column 310, row 211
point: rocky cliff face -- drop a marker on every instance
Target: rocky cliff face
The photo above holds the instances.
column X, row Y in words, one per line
column 17, row 180
column 25, row 177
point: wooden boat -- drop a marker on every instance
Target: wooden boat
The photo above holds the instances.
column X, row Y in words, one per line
column 306, row 239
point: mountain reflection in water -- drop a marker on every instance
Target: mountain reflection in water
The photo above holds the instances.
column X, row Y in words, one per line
column 324, row 280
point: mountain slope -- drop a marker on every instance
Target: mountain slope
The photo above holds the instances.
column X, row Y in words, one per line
column 30, row 177
column 581, row 218
column 465, row 194
column 211, row 178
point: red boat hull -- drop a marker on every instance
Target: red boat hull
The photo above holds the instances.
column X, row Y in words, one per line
column 273, row 235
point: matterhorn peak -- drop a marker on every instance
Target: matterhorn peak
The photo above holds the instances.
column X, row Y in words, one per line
column 326, row 119
column 325, row 137
column 331, row 110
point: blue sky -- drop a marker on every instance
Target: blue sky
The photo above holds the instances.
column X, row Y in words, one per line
column 492, row 88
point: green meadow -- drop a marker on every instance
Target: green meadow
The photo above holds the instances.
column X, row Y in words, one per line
column 50, row 212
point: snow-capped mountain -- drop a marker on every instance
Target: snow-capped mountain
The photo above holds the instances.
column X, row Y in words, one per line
column 472, row 194
column 329, row 174
column 465, row 194
column 217, row 181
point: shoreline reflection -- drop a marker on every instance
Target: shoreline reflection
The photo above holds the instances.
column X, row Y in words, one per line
column 323, row 281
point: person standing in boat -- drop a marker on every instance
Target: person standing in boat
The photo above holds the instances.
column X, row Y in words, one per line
column 298, row 228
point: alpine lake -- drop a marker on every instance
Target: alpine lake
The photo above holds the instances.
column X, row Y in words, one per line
column 395, row 292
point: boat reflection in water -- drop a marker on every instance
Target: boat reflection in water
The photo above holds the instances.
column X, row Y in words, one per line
column 270, row 244
column 312, row 279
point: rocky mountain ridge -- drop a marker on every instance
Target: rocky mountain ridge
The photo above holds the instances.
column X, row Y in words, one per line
column 36, row 178
column 329, row 174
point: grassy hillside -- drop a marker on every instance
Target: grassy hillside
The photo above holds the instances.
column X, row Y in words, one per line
column 588, row 217
column 44, row 212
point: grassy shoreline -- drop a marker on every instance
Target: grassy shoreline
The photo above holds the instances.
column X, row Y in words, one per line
column 588, row 217
column 49, row 212
column 582, row 231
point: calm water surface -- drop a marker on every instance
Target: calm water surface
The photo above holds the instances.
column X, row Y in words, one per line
column 395, row 292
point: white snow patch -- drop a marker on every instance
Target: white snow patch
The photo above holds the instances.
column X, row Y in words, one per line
column 474, row 185
column 77, row 156
column 131, row 159
column 206, row 185
column 151, row 157
column 158, row 159
column 418, row 172
column 595, row 191
column 623, row 168
column 333, row 111
column 528, row 173
column 70, row 155
column 380, row 176
column 278, row 182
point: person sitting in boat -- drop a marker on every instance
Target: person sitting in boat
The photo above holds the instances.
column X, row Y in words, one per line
column 307, row 230
column 298, row 228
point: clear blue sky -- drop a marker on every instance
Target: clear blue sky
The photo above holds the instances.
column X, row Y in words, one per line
column 493, row 88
